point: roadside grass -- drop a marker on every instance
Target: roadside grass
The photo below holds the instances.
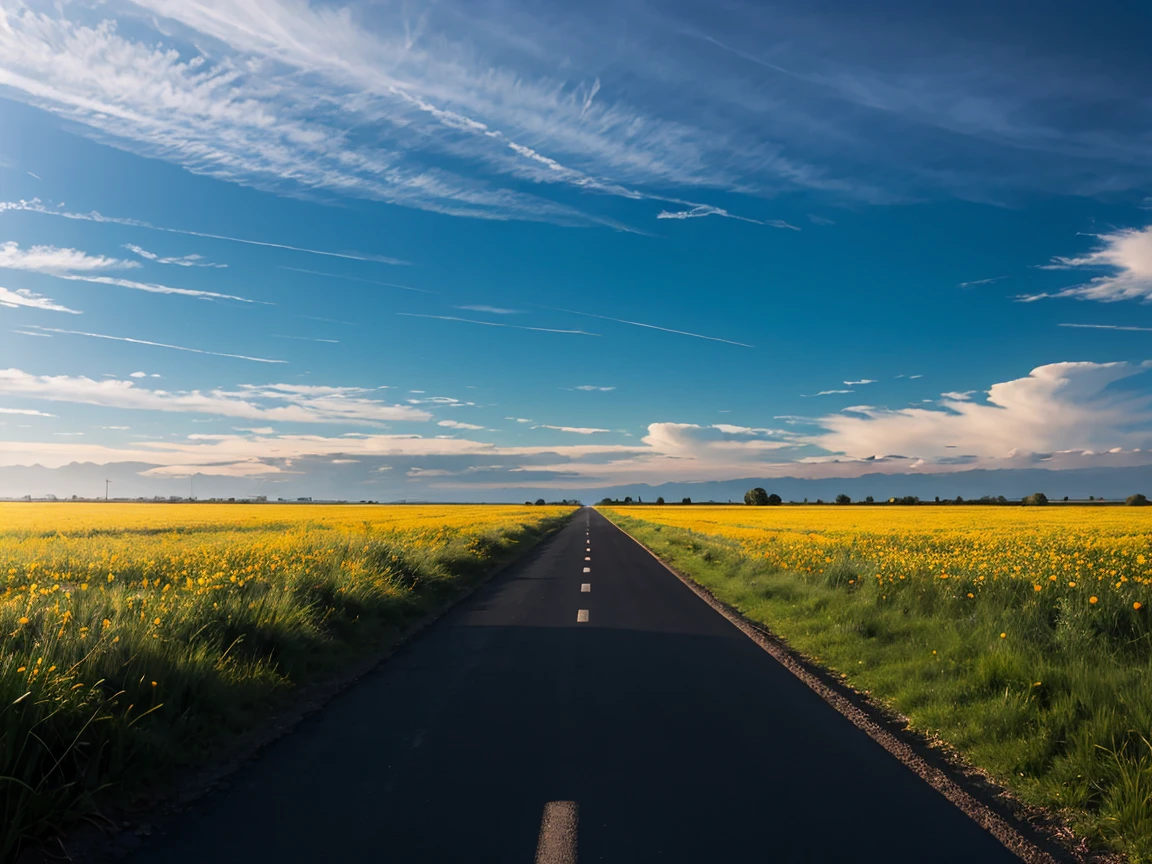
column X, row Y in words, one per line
column 125, row 657
column 1051, row 697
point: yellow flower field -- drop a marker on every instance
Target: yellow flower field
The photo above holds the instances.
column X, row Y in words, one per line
column 130, row 634
column 1020, row 635
column 1085, row 551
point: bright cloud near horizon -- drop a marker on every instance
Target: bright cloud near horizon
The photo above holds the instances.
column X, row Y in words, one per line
column 461, row 250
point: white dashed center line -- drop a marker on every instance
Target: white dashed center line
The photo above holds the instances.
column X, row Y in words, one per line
column 581, row 616
column 585, row 587
column 557, row 842
column 587, row 569
column 586, row 558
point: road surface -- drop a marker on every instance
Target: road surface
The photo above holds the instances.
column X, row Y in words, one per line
column 587, row 703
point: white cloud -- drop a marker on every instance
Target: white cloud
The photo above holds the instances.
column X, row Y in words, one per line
column 455, row 424
column 825, row 393
column 861, row 381
column 1058, row 407
column 1108, row 327
column 24, row 297
column 153, row 288
column 153, row 344
column 56, row 260
column 138, row 375
column 655, row 327
column 495, row 324
column 270, row 402
column 30, row 412
column 1126, row 254
column 706, row 210
column 592, row 388
column 492, row 310
column 957, row 396
column 181, row 261
column 578, row 430
column 35, row 205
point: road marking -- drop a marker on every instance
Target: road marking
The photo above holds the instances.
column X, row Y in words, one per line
column 587, row 569
column 585, row 587
column 581, row 616
column 558, row 825
column 586, row 558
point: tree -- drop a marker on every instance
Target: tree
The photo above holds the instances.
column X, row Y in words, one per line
column 756, row 497
column 1036, row 499
column 1065, row 497
column 604, row 502
column 1137, row 500
column 660, row 500
column 869, row 500
column 539, row 502
column 843, row 499
column 960, row 500
column 627, row 499
column 686, row 501
column 527, row 503
column 775, row 499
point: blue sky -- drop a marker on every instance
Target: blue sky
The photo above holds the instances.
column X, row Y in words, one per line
column 455, row 250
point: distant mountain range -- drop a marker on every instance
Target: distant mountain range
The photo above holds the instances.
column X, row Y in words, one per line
column 87, row 480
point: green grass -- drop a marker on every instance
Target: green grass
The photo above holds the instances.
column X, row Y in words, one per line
column 1059, row 710
column 97, row 723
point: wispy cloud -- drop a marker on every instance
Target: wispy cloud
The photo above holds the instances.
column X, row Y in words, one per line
column 976, row 282
column 825, row 393
column 306, row 338
column 181, row 261
column 1108, row 327
column 268, row 402
column 154, row 288
column 35, row 205
column 706, row 210
column 576, row 430
column 654, row 327
column 456, row 424
column 590, row 388
column 28, row 412
column 55, row 260
column 861, row 381
column 496, row 324
column 152, row 344
column 1127, row 254
column 492, row 310
column 24, row 297
column 347, row 278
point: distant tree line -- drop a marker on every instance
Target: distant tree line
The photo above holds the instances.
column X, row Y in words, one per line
column 760, row 497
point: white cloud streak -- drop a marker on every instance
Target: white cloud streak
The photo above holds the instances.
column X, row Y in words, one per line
column 1108, row 327
column 653, row 327
column 286, row 403
column 347, row 278
column 181, row 261
column 496, row 324
column 154, row 344
column 705, row 210
column 24, row 297
column 56, row 260
column 35, row 205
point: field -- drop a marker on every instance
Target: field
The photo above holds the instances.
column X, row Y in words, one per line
column 1018, row 635
column 136, row 637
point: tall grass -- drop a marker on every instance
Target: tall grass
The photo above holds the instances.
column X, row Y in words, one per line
column 1049, row 692
column 125, row 656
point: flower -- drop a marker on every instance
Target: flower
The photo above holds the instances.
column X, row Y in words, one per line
column 23, row 619
column 1003, row 635
column 1093, row 599
column 1137, row 605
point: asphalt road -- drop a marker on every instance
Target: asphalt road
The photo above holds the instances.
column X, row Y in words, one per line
column 512, row 731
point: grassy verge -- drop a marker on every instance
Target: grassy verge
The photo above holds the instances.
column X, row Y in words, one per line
column 126, row 657
column 1053, row 701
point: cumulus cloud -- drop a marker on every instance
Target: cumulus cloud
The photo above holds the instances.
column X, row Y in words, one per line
column 1070, row 406
column 456, row 424
column 1126, row 255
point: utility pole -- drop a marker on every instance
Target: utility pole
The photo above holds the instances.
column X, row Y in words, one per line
column 106, row 482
